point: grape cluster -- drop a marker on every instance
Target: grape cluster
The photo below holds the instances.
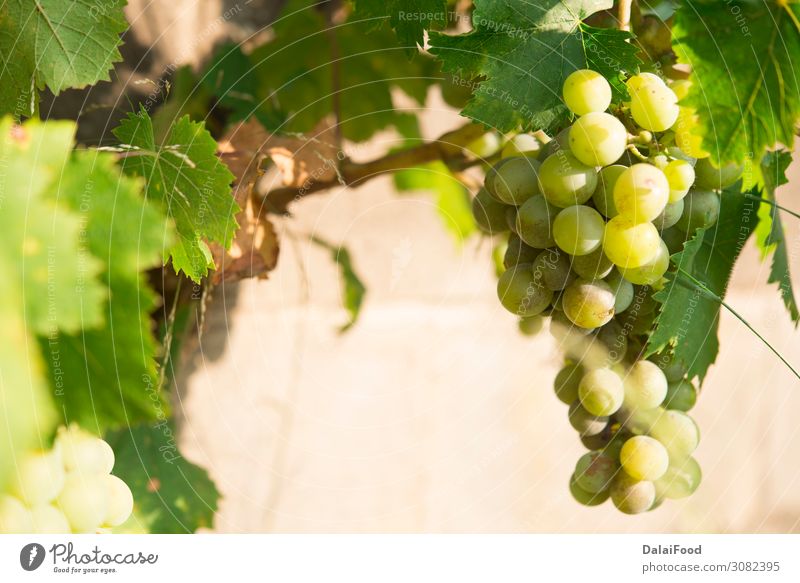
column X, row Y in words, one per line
column 67, row 489
column 592, row 217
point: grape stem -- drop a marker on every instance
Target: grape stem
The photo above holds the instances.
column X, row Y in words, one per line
column 772, row 203
column 635, row 151
column 699, row 285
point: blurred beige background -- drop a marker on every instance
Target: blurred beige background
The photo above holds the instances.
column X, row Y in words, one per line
column 433, row 413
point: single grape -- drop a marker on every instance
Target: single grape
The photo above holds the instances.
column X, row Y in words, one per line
column 516, row 180
column 484, row 146
column 680, row 480
column 553, row 268
column 680, row 176
column 584, row 422
column 674, row 239
column 615, row 340
column 603, row 196
column 654, row 106
column 700, row 211
column 586, row 91
column 518, row 252
column 522, row 145
column 623, row 291
column 578, row 230
column 632, row 496
column 641, row 193
column 687, row 141
column 710, row 177
column 645, row 79
column 674, row 370
column 609, row 442
column 520, row 293
column 38, row 478
column 601, row 392
column 660, row 161
column 595, row 265
column 681, row 396
column 83, row 451
column 595, row 471
column 48, row 519
column 531, row 325
column 566, row 181
column 650, row 272
column 535, row 222
column 120, row 501
column 586, row 498
column 490, row 215
column 645, row 386
column 598, row 139
column 644, row 458
column 588, row 304
column 670, row 215
column 511, row 218
column 558, row 144
column 677, row 432
column 629, row 244
column 84, row 501
column 15, row 517
column 567, row 381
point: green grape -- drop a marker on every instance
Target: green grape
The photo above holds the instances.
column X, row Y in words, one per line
column 651, row 272
column 690, row 143
column 645, row 79
column 558, row 144
column 680, row 480
column 615, row 340
column 521, row 293
column 609, row 441
column 632, row 496
column 531, row 325
column 553, row 268
column 629, row 244
column 701, row 211
column 680, row 175
column 674, row 370
column 595, row 265
column 566, row 383
column 645, row 386
column 566, row 181
column 674, row 239
column 490, row 215
column 677, row 432
column 584, row 422
column 588, row 304
column 48, row 519
column 644, row 458
column 498, row 252
column 120, row 501
column 598, row 139
column 535, row 222
column 515, row 180
column 518, row 252
column 669, row 216
column 712, row 178
column 601, row 392
column 484, row 146
column 15, row 518
column 680, row 87
column 38, row 478
column 623, row 291
column 595, row 471
column 603, row 196
column 84, row 501
column 586, row 498
column 522, row 145
column 511, row 218
column 641, row 193
column 586, row 91
column 654, row 106
column 83, row 451
column 660, row 161
column 578, row 230
column 681, row 396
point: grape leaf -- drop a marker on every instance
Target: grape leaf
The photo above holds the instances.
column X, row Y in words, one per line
column 769, row 233
column 192, row 184
column 55, row 44
column 689, row 319
column 106, row 376
column 525, row 51
column 409, row 18
column 744, row 70
column 353, row 289
column 171, row 495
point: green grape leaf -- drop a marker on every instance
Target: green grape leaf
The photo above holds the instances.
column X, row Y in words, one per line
column 296, row 93
column 106, row 376
column 228, row 78
column 184, row 173
column 353, row 289
column 452, row 198
column 769, row 233
column 171, row 495
column 409, row 18
column 524, row 51
column 744, row 70
column 55, row 44
column 688, row 320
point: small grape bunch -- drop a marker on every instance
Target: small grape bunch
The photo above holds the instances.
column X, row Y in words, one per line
column 67, row 489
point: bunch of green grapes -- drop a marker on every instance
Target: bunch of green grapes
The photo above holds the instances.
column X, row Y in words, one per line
column 589, row 220
column 67, row 489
